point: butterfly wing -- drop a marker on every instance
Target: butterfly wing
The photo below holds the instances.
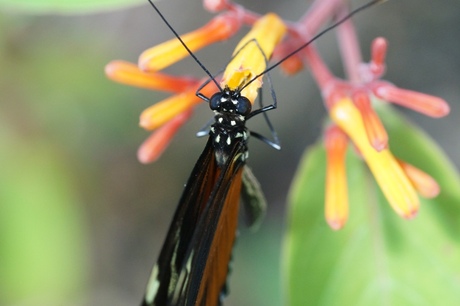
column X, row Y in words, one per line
column 215, row 236
column 253, row 200
column 193, row 264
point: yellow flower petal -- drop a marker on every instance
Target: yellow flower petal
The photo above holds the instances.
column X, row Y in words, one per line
column 129, row 74
column 153, row 147
column 425, row 185
column 336, row 206
column 161, row 56
column 163, row 111
column 375, row 130
column 391, row 178
column 250, row 61
column 426, row 104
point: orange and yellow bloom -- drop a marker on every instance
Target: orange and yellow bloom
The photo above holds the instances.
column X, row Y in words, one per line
column 166, row 117
column 251, row 55
column 354, row 119
column 349, row 101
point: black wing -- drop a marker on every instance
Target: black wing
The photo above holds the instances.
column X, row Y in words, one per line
column 189, row 270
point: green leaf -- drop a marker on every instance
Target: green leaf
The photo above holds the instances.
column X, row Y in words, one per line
column 65, row 6
column 378, row 258
column 43, row 240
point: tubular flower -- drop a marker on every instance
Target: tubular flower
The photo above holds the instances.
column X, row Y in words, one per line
column 153, row 147
column 350, row 105
column 221, row 27
column 349, row 101
column 166, row 117
column 129, row 74
column 425, row 185
column 350, row 108
column 251, row 55
column 391, row 178
column 162, row 112
column 368, row 86
column 336, row 207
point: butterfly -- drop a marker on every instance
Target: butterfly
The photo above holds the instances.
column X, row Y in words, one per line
column 193, row 264
column 194, row 261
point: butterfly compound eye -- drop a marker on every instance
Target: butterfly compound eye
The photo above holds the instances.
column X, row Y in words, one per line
column 244, row 106
column 215, row 101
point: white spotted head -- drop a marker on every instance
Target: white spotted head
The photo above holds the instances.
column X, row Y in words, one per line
column 230, row 101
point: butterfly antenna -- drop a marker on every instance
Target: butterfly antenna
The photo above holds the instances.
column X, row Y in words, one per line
column 183, row 44
column 345, row 18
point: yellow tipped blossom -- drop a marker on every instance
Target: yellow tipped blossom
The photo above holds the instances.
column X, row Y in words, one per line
column 425, row 185
column 391, row 178
column 292, row 65
column 354, row 117
column 248, row 60
column 163, row 111
column 350, row 107
column 163, row 55
column 417, row 101
column 129, row 74
column 375, row 130
column 336, row 203
column 152, row 148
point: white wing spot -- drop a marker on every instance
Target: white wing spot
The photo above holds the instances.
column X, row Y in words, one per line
column 152, row 286
column 217, row 139
column 229, row 140
column 182, row 280
column 233, row 122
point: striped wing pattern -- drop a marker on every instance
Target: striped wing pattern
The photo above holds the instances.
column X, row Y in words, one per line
column 193, row 264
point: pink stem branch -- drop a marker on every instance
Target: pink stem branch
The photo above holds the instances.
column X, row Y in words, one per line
column 349, row 48
column 319, row 12
column 318, row 68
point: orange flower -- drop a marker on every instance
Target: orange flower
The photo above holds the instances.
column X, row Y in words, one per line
column 336, row 207
column 221, row 27
column 167, row 116
column 397, row 180
column 129, row 74
column 153, row 147
column 251, row 55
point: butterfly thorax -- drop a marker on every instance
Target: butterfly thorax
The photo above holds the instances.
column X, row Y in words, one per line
column 231, row 109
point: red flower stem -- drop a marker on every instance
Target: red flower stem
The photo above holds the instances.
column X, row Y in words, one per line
column 319, row 13
column 318, row 68
column 349, row 48
column 246, row 16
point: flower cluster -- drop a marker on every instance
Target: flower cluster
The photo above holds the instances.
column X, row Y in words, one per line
column 249, row 60
column 349, row 101
column 350, row 106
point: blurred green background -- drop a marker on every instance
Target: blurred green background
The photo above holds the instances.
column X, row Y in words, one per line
column 82, row 221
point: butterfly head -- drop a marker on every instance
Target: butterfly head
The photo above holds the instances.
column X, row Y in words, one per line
column 230, row 102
